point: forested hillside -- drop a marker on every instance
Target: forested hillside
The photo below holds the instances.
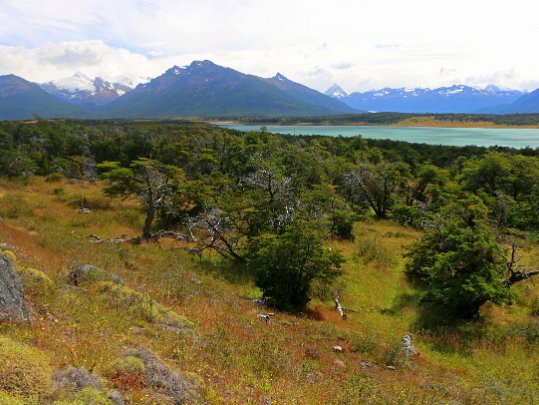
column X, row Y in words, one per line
column 177, row 262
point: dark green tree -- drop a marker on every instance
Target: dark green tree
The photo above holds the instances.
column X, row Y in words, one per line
column 285, row 265
column 458, row 263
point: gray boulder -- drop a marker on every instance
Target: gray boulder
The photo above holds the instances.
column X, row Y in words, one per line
column 92, row 273
column 73, row 380
column 12, row 305
column 115, row 397
column 167, row 386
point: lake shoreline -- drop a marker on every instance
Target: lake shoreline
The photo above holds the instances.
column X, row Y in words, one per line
column 411, row 123
column 456, row 136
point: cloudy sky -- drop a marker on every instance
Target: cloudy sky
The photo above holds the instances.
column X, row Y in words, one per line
column 359, row 44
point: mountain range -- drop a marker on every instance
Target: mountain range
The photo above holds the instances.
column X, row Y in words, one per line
column 205, row 89
column 454, row 99
column 200, row 89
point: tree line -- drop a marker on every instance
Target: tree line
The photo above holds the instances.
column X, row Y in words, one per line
column 270, row 202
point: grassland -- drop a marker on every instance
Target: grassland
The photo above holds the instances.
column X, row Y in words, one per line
column 238, row 358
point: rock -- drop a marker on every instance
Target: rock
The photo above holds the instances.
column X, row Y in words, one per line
column 115, row 397
column 74, row 380
column 90, row 272
column 165, row 383
column 312, row 353
column 260, row 301
column 391, row 368
column 365, row 364
column 314, row 377
column 339, row 364
column 12, row 305
column 337, row 349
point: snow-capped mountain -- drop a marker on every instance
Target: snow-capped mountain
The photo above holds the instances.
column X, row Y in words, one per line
column 206, row 89
column 336, row 91
column 453, row 99
column 82, row 90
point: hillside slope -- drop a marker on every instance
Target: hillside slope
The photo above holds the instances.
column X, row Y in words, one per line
column 21, row 99
column 237, row 357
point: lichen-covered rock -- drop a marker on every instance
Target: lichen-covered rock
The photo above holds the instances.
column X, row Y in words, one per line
column 166, row 386
column 12, row 305
column 91, row 273
column 115, row 397
column 74, row 379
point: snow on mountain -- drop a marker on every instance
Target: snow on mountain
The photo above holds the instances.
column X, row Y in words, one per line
column 453, row 99
column 77, row 82
column 336, row 91
column 82, row 90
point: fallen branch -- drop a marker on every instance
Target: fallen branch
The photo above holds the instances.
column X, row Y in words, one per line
column 122, row 239
column 265, row 317
column 517, row 276
column 339, row 308
column 171, row 234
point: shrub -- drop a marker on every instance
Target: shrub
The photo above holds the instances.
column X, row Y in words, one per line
column 54, row 177
column 286, row 264
column 458, row 262
column 409, row 216
column 24, row 371
column 372, row 249
column 7, row 399
column 342, row 225
column 126, row 365
column 86, row 396
column 35, row 280
column 142, row 306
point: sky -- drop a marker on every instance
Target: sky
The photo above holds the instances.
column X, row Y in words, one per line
column 358, row 44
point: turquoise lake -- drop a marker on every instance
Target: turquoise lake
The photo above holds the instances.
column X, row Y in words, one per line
column 511, row 137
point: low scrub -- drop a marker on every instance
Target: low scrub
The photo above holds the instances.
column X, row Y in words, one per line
column 141, row 306
column 24, row 371
column 372, row 249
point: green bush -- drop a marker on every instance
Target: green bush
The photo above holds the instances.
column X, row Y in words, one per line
column 342, row 224
column 141, row 306
column 126, row 365
column 408, row 216
column 54, row 177
column 7, row 399
column 35, row 280
column 24, row 371
column 86, row 396
column 286, row 264
column 458, row 262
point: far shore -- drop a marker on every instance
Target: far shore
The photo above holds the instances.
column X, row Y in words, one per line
column 409, row 122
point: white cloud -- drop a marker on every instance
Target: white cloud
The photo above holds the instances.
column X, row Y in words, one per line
column 358, row 44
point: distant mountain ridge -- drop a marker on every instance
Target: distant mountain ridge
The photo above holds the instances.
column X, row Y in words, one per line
column 21, row 99
column 85, row 91
column 206, row 89
column 453, row 99
column 528, row 103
